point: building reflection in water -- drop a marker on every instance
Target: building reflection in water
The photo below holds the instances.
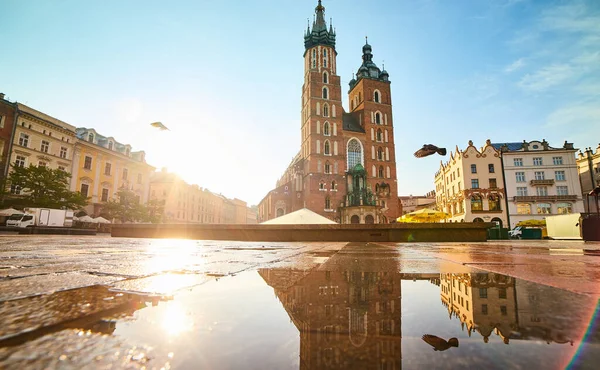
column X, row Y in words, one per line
column 515, row 309
column 348, row 310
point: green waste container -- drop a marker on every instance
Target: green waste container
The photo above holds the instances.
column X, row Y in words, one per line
column 531, row 233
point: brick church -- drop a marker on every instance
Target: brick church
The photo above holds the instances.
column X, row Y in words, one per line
column 346, row 167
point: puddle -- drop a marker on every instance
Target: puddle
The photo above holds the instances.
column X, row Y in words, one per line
column 355, row 310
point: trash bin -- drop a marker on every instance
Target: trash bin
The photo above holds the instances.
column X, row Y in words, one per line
column 531, row 233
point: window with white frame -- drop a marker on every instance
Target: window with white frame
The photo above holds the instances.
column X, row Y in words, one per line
column 327, row 203
column 557, row 161
column 378, row 118
column 559, row 175
column 104, row 195
column 474, row 183
column 325, row 93
column 87, row 164
column 380, row 154
column 379, row 135
column 326, row 130
column 327, row 150
column 15, row 189
column 322, row 185
column 24, row 139
column 327, row 167
column 537, row 161
column 376, row 96
column 45, row 146
column 562, row 190
column 91, row 137
column 20, row 161
column 84, row 190
column 521, row 191
column 325, row 110
column 541, row 191
column 520, row 176
column 473, row 168
column 539, row 175
column 381, row 171
column 63, row 152
column 107, row 169
column 42, row 164
column 325, row 78
column 62, row 168
column 518, row 162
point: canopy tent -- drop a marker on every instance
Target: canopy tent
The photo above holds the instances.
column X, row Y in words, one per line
column 423, row 215
column 101, row 220
column 9, row 212
column 302, row 216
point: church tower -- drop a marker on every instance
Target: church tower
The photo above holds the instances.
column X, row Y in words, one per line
column 321, row 127
column 370, row 99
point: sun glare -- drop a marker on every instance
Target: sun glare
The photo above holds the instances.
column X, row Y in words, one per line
column 175, row 320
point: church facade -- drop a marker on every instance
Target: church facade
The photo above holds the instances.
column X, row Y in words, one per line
column 346, row 167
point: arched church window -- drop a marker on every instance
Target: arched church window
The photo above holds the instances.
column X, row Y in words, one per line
column 327, row 167
column 326, row 130
column 379, row 135
column 327, row 203
column 333, row 185
column 380, row 154
column 354, row 153
column 325, row 110
column 325, row 93
column 378, row 118
column 325, row 78
column 381, row 171
column 376, row 96
column 327, row 150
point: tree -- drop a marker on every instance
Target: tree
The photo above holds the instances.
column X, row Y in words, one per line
column 40, row 186
column 127, row 208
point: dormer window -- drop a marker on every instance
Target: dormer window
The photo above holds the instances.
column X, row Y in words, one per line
column 91, row 137
column 110, row 145
column 127, row 152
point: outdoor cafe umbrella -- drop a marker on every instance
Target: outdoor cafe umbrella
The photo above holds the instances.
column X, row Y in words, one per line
column 532, row 223
column 101, row 220
column 424, row 215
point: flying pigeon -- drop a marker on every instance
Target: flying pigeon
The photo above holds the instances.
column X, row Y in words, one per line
column 438, row 343
column 429, row 149
column 159, row 126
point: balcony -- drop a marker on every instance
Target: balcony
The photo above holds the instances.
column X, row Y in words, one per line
column 544, row 198
column 541, row 182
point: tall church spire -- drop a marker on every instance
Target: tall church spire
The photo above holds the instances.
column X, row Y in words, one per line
column 319, row 34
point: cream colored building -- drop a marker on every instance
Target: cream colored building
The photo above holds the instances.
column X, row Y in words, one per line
column 412, row 203
column 102, row 166
column 185, row 203
column 483, row 302
column 588, row 166
column 470, row 187
column 41, row 140
column 540, row 180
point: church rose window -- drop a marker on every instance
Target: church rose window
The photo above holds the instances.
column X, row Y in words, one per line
column 354, row 153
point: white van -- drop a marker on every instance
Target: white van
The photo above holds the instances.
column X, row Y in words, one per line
column 13, row 220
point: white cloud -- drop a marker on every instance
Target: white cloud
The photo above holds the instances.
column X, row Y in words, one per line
column 547, row 77
column 578, row 116
column 517, row 64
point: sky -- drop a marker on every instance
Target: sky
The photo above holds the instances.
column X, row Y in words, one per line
column 226, row 76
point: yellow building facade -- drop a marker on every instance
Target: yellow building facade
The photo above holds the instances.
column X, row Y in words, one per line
column 185, row 203
column 40, row 140
column 102, row 166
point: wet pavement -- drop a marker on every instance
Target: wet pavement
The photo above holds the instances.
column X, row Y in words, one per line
column 99, row 302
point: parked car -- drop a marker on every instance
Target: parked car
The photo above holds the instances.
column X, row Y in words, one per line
column 516, row 233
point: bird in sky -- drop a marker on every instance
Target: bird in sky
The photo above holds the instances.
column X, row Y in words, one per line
column 438, row 343
column 429, row 149
column 159, row 126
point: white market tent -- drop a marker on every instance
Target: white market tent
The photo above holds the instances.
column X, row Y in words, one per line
column 302, row 216
column 101, row 220
column 9, row 212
